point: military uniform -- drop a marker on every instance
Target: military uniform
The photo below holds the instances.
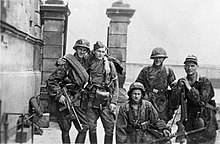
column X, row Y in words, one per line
column 65, row 75
column 126, row 132
column 156, row 81
column 131, row 118
column 200, row 108
column 103, row 90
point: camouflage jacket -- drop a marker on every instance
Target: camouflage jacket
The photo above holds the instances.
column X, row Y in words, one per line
column 156, row 82
column 125, row 130
column 63, row 75
column 198, row 98
column 156, row 78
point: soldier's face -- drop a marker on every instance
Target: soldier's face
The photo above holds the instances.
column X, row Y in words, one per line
column 190, row 68
column 100, row 53
column 81, row 51
column 158, row 61
column 136, row 95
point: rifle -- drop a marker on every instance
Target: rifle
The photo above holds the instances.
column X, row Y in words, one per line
column 69, row 105
column 181, row 127
column 177, row 134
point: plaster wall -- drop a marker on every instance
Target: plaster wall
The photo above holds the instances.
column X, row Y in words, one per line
column 20, row 57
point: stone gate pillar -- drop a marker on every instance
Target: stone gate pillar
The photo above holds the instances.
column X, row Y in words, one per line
column 54, row 18
column 54, row 15
column 120, row 15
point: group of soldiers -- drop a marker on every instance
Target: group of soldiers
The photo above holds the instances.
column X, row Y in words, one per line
column 153, row 98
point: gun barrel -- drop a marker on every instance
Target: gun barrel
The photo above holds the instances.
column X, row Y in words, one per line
column 71, row 109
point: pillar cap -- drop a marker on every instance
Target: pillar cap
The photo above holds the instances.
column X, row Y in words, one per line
column 120, row 9
column 120, row 4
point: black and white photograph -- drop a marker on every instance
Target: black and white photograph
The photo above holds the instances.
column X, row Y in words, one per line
column 110, row 71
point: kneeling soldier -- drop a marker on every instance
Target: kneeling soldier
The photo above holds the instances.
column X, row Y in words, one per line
column 137, row 120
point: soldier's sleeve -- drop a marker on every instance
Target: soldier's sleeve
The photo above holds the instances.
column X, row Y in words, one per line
column 142, row 78
column 115, row 90
column 121, row 126
column 202, row 95
column 54, row 81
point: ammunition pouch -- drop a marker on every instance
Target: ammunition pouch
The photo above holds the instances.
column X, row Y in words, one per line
column 101, row 98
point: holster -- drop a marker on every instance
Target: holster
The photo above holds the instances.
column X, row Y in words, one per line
column 101, row 98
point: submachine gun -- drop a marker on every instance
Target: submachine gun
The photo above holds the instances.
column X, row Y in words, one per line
column 181, row 128
column 69, row 105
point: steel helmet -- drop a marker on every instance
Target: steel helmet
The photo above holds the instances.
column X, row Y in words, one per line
column 191, row 58
column 158, row 52
column 136, row 85
column 82, row 43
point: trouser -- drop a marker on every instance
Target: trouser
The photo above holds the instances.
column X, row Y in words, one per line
column 81, row 136
column 65, row 125
column 108, row 122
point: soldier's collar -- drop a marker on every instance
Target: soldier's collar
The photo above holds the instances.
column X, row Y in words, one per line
column 197, row 77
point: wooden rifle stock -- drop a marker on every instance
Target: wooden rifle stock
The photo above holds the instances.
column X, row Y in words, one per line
column 181, row 127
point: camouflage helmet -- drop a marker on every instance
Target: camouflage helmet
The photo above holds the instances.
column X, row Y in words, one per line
column 82, row 43
column 136, row 85
column 191, row 58
column 158, row 52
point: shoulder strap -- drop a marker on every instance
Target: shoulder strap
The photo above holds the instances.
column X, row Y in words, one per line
column 167, row 70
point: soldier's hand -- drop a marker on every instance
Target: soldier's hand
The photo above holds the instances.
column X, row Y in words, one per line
column 144, row 125
column 185, row 82
column 61, row 61
column 112, row 107
column 161, row 124
column 166, row 133
column 62, row 99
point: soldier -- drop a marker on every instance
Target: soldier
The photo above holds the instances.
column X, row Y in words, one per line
column 156, row 79
column 82, row 51
column 103, row 93
column 66, row 75
column 200, row 107
column 137, row 120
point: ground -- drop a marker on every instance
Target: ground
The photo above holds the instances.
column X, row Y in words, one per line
column 52, row 135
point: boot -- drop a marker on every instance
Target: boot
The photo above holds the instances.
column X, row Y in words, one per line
column 93, row 138
column 81, row 136
column 108, row 139
column 65, row 137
